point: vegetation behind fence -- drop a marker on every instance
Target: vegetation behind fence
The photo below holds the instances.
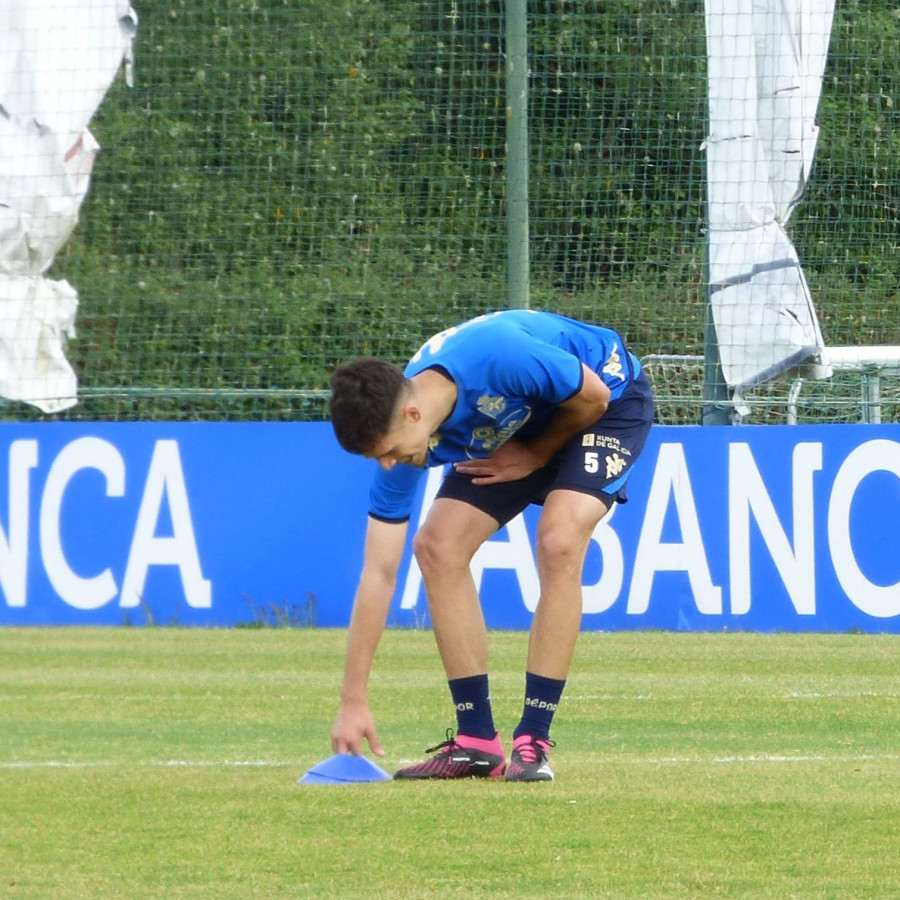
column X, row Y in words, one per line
column 291, row 184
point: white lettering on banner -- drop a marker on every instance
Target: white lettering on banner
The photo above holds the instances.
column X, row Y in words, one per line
column 671, row 479
column 747, row 494
column 873, row 456
column 84, row 453
column 517, row 553
column 164, row 484
column 792, row 549
column 23, row 457
column 165, row 479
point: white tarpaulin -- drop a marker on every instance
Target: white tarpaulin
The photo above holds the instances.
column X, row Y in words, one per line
column 57, row 60
column 766, row 59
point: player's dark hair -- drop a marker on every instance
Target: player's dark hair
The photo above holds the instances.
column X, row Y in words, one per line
column 364, row 395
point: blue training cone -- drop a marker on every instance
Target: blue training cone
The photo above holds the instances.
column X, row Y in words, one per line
column 344, row 768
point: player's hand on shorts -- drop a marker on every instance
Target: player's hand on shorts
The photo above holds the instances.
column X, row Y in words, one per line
column 509, row 462
column 351, row 726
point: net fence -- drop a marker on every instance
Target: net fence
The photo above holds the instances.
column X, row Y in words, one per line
column 288, row 185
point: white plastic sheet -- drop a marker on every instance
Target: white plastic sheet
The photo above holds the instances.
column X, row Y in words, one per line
column 57, row 60
column 766, row 59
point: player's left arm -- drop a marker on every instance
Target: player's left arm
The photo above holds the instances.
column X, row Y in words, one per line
column 515, row 460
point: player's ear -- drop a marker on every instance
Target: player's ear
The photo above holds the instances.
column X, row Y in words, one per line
column 412, row 413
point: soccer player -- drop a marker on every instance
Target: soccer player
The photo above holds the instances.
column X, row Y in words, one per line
column 528, row 407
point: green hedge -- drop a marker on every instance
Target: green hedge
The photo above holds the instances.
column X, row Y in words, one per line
column 285, row 187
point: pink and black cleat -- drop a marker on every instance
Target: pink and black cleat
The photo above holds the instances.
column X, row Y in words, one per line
column 462, row 756
column 530, row 760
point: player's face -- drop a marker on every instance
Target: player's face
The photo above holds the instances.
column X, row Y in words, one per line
column 406, row 442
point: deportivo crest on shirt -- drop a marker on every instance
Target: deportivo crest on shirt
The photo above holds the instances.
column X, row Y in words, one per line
column 491, row 406
column 487, row 438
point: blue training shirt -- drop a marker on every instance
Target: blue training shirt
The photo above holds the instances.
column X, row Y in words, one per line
column 512, row 370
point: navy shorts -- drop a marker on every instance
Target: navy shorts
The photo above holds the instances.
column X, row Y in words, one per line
column 598, row 461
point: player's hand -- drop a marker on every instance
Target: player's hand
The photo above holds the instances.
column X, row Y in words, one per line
column 352, row 724
column 509, row 462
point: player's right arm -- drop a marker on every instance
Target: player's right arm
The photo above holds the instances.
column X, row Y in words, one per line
column 381, row 561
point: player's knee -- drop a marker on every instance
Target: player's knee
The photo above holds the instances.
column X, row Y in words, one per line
column 559, row 548
column 431, row 549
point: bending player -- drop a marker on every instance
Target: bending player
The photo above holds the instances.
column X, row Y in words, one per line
column 529, row 407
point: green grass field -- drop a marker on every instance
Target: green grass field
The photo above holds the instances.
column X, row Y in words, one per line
column 163, row 762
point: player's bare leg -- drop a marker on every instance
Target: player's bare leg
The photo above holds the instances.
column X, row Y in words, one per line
column 444, row 547
column 567, row 523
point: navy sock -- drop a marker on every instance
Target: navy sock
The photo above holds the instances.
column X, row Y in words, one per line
column 472, row 699
column 541, row 699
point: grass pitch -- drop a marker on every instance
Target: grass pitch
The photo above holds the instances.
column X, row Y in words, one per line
column 138, row 763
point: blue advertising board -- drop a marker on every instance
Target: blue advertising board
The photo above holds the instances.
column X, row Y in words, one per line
column 767, row 528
